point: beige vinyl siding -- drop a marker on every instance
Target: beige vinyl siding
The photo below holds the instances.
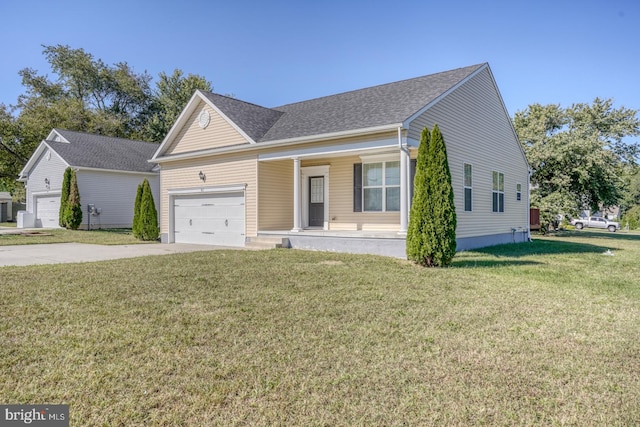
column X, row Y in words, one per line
column 275, row 195
column 477, row 131
column 219, row 133
column 341, row 214
column 220, row 170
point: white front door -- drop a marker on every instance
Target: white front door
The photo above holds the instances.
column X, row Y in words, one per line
column 213, row 219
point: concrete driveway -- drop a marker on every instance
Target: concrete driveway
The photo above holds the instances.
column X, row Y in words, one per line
column 56, row 253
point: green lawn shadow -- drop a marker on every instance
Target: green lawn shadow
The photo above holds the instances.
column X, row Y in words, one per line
column 508, row 254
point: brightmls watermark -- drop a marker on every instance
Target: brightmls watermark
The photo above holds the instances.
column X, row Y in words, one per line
column 36, row 415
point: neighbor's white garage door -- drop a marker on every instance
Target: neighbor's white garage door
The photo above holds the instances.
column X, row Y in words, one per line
column 214, row 219
column 48, row 211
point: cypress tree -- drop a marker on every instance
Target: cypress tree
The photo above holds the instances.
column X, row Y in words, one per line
column 431, row 237
column 73, row 209
column 148, row 214
column 64, row 197
column 443, row 232
column 135, row 227
column 419, row 216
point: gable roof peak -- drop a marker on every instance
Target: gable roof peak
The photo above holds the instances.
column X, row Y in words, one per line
column 254, row 120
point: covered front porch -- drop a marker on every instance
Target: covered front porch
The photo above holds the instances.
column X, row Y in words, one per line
column 354, row 189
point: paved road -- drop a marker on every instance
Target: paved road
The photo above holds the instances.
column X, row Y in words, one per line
column 56, row 253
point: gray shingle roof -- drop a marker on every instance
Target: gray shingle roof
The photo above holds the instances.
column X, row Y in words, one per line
column 359, row 109
column 253, row 119
column 104, row 152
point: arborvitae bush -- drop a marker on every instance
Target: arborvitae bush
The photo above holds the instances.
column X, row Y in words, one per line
column 417, row 248
column 73, row 209
column 148, row 214
column 135, row 227
column 431, row 237
column 444, row 213
column 64, row 197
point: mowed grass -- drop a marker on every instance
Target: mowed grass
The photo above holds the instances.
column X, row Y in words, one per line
column 60, row 235
column 546, row 333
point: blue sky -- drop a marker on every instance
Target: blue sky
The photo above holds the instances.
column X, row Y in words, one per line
column 276, row 52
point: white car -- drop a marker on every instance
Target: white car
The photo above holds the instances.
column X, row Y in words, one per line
column 595, row 222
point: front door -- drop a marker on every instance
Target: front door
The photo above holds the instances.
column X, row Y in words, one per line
column 316, row 201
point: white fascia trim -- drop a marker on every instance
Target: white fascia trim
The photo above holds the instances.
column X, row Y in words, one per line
column 186, row 112
column 207, row 190
column 341, row 149
column 278, row 143
column 407, row 122
column 81, row 168
column 34, row 157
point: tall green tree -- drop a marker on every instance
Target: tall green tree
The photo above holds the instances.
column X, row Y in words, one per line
column 631, row 193
column 148, row 214
column 73, row 209
column 64, row 197
column 577, row 154
column 136, row 225
column 431, row 237
column 86, row 94
column 418, row 245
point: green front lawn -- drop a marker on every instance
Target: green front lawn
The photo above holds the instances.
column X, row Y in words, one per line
column 546, row 333
column 60, row 235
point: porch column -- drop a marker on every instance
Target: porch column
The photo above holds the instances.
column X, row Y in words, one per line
column 404, row 190
column 296, row 196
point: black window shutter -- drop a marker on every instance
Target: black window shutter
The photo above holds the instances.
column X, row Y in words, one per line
column 412, row 175
column 357, row 187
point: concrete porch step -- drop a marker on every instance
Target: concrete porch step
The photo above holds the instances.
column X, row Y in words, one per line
column 267, row 242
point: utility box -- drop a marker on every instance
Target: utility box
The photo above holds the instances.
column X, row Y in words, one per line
column 26, row 219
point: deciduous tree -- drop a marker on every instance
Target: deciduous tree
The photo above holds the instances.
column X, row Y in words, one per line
column 577, row 154
column 86, row 94
column 171, row 95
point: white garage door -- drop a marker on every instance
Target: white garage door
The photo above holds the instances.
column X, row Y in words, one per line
column 211, row 220
column 48, row 211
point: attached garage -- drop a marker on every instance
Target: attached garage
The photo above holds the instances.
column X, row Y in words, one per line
column 48, row 211
column 209, row 219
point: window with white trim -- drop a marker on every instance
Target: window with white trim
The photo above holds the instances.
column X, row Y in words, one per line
column 498, row 192
column 518, row 192
column 381, row 186
column 468, row 187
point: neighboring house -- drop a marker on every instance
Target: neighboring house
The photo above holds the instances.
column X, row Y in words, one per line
column 108, row 172
column 6, row 204
column 336, row 173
